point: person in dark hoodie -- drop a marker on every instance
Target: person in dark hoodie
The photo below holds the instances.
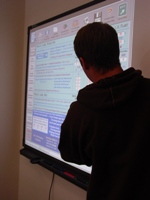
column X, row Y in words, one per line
column 108, row 126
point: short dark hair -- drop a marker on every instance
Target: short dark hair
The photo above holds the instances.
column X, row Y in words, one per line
column 97, row 43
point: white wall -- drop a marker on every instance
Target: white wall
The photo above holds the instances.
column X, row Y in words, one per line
column 141, row 41
column 11, row 54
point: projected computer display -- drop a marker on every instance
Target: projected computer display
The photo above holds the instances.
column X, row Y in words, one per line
column 54, row 74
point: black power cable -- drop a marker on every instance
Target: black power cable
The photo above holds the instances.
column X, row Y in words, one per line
column 50, row 190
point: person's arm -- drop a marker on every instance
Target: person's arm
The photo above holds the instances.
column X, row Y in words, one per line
column 73, row 145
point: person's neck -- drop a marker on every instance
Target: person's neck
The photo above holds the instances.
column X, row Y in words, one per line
column 96, row 76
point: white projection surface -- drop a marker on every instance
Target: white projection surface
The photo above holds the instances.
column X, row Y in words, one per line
column 54, row 73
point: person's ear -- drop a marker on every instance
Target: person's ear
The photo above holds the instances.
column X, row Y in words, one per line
column 84, row 64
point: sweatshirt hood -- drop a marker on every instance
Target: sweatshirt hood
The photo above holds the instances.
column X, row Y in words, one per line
column 112, row 91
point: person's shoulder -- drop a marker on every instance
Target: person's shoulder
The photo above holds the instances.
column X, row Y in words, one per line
column 146, row 81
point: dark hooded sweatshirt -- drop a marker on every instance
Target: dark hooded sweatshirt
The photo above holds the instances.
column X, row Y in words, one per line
column 108, row 128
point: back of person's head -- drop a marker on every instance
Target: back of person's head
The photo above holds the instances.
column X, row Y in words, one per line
column 97, row 43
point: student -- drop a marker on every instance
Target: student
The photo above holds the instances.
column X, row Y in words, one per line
column 108, row 126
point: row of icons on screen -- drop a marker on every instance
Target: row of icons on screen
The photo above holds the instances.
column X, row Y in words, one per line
column 97, row 18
